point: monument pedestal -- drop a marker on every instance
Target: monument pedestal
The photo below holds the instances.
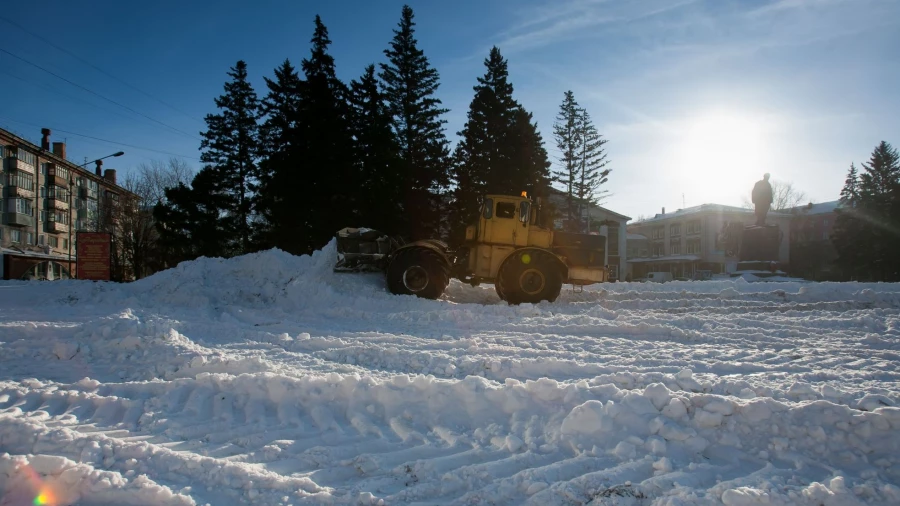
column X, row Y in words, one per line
column 760, row 243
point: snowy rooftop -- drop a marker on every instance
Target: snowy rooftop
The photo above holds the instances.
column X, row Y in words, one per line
column 703, row 208
column 635, row 237
column 820, row 208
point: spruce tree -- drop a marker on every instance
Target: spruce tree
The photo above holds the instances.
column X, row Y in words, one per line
column 409, row 85
column 326, row 146
column 501, row 151
column 230, row 148
column 568, row 141
column 191, row 223
column 866, row 232
column 280, row 168
column 377, row 156
column 592, row 162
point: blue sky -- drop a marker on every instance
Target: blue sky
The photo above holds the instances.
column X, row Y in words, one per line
column 696, row 98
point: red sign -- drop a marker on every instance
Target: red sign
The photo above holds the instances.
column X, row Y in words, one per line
column 92, row 250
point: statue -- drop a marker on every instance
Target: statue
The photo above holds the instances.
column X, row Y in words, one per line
column 762, row 199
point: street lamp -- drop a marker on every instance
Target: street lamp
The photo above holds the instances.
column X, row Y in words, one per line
column 72, row 206
column 120, row 153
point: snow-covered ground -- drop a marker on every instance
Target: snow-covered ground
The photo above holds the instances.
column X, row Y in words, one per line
column 270, row 380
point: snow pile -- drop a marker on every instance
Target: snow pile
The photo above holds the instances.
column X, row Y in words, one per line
column 270, row 380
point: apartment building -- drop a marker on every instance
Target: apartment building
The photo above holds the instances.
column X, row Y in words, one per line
column 45, row 199
column 700, row 238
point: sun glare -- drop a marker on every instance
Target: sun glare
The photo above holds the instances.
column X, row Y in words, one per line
column 719, row 154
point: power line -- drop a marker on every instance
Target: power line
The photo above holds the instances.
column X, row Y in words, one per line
column 102, row 140
column 95, row 93
column 70, row 97
column 98, row 69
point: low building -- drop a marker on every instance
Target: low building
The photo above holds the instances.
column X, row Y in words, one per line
column 697, row 240
column 601, row 221
column 44, row 201
column 812, row 253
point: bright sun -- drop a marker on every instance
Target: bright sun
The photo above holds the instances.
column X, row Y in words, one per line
column 719, row 154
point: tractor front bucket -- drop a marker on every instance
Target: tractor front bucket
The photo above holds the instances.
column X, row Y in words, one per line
column 362, row 250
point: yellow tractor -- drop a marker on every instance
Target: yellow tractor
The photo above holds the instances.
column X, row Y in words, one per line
column 506, row 247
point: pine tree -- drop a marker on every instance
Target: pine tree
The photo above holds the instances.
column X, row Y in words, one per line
column 377, row 156
column 190, row 223
column 568, row 141
column 230, row 149
column 326, row 146
column 850, row 191
column 867, row 230
column 501, row 151
column 592, row 172
column 280, row 168
column 409, row 85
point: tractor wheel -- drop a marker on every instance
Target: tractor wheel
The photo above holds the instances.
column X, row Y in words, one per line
column 529, row 276
column 418, row 271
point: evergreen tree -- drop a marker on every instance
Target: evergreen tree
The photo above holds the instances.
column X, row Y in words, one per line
column 583, row 160
column 409, row 85
column 280, row 169
column 377, row 156
column 501, row 151
column 191, row 223
column 568, row 141
column 867, row 230
column 592, row 171
column 230, row 148
column 850, row 191
column 325, row 149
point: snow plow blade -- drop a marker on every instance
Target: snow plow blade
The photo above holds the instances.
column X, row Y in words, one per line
column 363, row 250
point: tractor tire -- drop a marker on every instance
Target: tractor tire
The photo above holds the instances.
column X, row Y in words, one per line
column 529, row 276
column 422, row 272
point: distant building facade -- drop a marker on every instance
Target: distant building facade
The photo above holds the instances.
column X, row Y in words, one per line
column 601, row 221
column 703, row 238
column 44, row 201
column 812, row 253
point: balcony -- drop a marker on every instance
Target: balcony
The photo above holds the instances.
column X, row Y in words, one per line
column 16, row 164
column 19, row 220
column 56, row 227
column 19, row 191
column 58, row 202
column 58, row 176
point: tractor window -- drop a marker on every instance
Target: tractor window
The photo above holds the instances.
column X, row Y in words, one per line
column 524, row 211
column 506, row 210
column 488, row 208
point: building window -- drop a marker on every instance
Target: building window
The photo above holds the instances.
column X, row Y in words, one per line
column 23, row 156
column 675, row 248
column 658, row 233
column 30, row 237
column 65, row 244
column 693, row 227
column 15, row 236
column 56, row 170
column 613, row 272
column 693, row 247
column 21, row 179
column 54, row 242
column 657, row 249
column 675, row 230
column 59, row 216
column 21, row 206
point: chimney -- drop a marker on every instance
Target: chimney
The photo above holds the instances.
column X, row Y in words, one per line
column 110, row 175
column 99, row 164
column 59, row 149
column 664, row 210
column 45, row 141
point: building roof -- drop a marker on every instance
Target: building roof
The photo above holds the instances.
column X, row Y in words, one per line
column 704, row 208
column 559, row 193
column 820, row 208
column 635, row 237
column 68, row 164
